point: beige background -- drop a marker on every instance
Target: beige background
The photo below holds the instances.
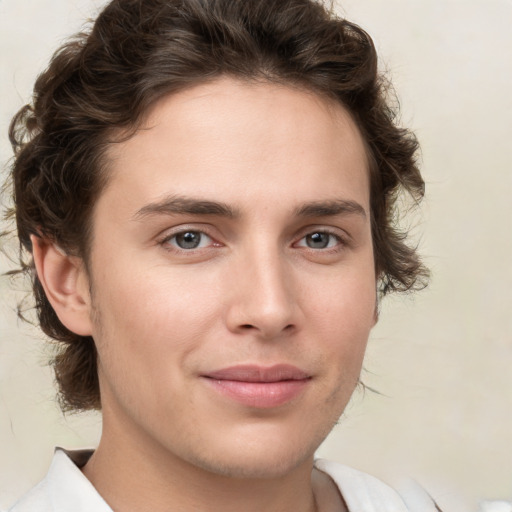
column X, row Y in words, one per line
column 441, row 359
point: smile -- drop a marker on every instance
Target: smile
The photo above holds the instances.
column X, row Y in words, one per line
column 259, row 387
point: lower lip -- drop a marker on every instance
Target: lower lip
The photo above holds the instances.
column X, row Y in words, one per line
column 263, row 395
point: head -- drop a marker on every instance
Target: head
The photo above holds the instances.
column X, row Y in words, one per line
column 105, row 91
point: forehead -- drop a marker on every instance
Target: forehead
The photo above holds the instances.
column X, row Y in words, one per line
column 236, row 140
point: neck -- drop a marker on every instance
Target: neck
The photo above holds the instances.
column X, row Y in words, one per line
column 137, row 475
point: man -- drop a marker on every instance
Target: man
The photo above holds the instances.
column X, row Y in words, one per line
column 205, row 191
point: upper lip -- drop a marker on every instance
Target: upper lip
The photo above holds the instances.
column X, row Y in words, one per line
column 255, row 373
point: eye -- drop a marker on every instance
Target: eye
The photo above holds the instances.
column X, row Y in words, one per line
column 319, row 240
column 188, row 240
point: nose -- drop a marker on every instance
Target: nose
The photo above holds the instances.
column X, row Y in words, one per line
column 263, row 296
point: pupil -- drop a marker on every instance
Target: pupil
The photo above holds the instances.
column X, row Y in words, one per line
column 318, row 240
column 188, row 240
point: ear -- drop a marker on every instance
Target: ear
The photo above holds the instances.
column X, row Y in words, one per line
column 65, row 283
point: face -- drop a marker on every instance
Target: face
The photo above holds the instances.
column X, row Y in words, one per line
column 232, row 275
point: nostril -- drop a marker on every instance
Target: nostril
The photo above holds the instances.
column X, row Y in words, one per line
column 247, row 327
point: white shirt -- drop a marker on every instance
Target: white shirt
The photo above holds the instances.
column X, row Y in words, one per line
column 66, row 489
column 496, row 506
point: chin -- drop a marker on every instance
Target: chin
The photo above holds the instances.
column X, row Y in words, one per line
column 257, row 460
column 266, row 465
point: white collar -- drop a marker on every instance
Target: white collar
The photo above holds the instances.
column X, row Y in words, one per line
column 65, row 488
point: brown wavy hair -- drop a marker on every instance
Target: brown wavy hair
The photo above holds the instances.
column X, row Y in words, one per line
column 140, row 50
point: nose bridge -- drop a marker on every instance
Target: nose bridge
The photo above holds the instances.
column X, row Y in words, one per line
column 264, row 300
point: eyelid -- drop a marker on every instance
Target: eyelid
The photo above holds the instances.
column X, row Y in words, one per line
column 203, row 239
column 304, row 238
column 343, row 237
column 168, row 234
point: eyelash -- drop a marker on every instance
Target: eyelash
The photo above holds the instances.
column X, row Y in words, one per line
column 166, row 242
column 340, row 240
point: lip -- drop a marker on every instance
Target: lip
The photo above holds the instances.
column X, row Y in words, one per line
column 259, row 386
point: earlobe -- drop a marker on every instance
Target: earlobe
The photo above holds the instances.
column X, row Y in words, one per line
column 65, row 284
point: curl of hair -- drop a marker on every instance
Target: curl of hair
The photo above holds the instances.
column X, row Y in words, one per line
column 140, row 50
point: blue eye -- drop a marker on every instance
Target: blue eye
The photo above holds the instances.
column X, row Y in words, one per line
column 319, row 240
column 188, row 240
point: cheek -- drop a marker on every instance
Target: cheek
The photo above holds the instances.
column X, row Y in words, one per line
column 150, row 322
column 346, row 302
column 345, row 317
column 155, row 299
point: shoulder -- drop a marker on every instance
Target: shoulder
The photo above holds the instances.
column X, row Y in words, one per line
column 37, row 499
column 365, row 493
column 64, row 488
column 496, row 506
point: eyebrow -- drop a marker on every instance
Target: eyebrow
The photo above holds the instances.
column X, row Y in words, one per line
column 331, row 208
column 186, row 205
column 191, row 206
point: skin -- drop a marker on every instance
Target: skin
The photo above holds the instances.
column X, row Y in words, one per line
column 290, row 171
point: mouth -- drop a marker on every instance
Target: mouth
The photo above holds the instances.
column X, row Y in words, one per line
column 258, row 386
